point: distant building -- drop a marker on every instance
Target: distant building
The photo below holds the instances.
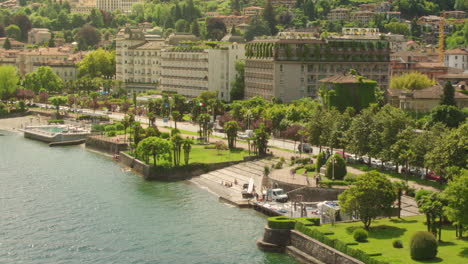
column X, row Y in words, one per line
column 212, row 14
column 339, row 14
column 39, row 36
column 175, row 38
column 230, row 21
column 285, row 3
column 397, row 42
column 422, row 100
column 362, row 17
column 252, row 11
column 456, row 58
column 455, row 14
column 190, row 70
column 138, row 59
column 112, row 5
column 290, row 67
column 412, row 61
column 17, row 45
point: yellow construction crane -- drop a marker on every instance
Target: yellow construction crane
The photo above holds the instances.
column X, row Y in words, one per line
column 441, row 23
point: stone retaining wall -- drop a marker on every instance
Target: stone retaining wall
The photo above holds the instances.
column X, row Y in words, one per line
column 149, row 172
column 319, row 250
column 105, row 145
column 310, row 194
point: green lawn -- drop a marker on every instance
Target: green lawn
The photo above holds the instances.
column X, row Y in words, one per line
column 202, row 155
column 418, row 180
column 383, row 232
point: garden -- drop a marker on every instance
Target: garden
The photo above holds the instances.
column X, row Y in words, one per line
column 385, row 235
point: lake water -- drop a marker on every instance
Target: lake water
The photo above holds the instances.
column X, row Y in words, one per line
column 70, row 205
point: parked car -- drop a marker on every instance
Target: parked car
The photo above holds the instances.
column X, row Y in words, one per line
column 342, row 154
column 432, row 176
column 306, row 148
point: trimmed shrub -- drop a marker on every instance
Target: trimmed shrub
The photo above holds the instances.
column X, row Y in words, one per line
column 111, row 133
column 321, row 160
column 302, row 161
column 360, row 235
column 279, row 165
column 423, row 246
column 336, row 167
column 97, row 128
column 165, row 135
column 309, row 167
column 351, row 178
column 59, row 121
column 411, row 192
column 119, row 126
column 109, row 128
column 397, row 244
column 281, row 222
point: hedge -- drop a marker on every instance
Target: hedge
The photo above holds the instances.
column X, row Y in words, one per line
column 281, row 222
column 59, row 121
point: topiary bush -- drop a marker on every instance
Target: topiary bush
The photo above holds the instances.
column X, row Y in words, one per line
column 321, row 160
column 119, row 126
column 397, row 244
column 360, row 235
column 309, row 167
column 423, row 246
column 110, row 128
column 281, row 222
column 279, row 165
column 351, row 178
column 336, row 167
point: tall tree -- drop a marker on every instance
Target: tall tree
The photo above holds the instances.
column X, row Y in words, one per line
column 23, row 22
column 411, row 81
column 448, row 95
column 98, row 63
column 88, row 36
column 269, row 17
column 195, row 28
column 7, row 44
column 372, row 195
column 8, row 80
column 456, row 195
column 231, row 128
column 14, row 32
column 238, row 86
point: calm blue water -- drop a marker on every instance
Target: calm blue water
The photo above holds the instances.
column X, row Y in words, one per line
column 69, row 205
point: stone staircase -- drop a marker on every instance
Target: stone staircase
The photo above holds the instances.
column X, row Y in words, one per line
column 240, row 173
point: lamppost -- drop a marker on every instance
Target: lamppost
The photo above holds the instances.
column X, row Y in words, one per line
column 333, row 167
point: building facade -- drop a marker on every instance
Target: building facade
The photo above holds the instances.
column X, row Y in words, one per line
column 290, row 69
column 230, row 21
column 138, row 60
column 456, row 58
column 252, row 11
column 191, row 70
column 339, row 14
column 39, row 36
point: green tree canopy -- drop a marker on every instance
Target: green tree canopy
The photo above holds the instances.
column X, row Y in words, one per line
column 8, row 80
column 371, row 196
column 98, row 63
column 411, row 81
column 456, row 195
column 448, row 96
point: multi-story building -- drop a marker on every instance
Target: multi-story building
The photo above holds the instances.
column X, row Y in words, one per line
column 191, row 70
column 455, row 14
column 252, row 11
column 230, row 21
column 82, row 6
column 362, row 17
column 27, row 58
column 138, row 59
column 290, row 68
column 65, row 70
column 122, row 5
column 8, row 57
column 339, row 14
column 285, row 3
column 412, row 61
column 456, row 58
column 397, row 42
column 39, row 36
column 85, row 6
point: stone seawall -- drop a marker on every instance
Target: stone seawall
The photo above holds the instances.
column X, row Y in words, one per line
column 150, row 172
column 105, row 145
column 303, row 246
column 310, row 194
